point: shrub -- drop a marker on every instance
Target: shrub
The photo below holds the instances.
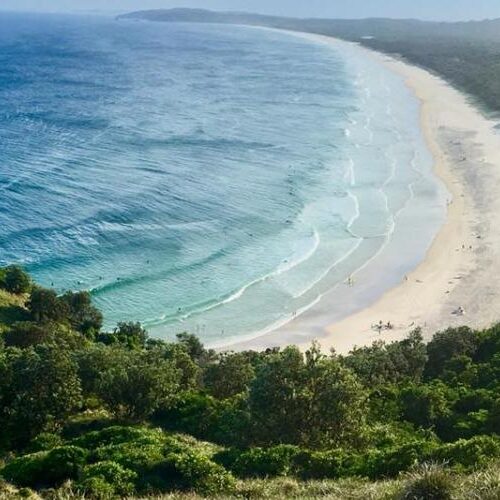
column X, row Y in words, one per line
column 26, row 470
column 195, row 471
column 108, row 473
column 266, row 462
column 46, row 468
column 64, row 462
column 429, row 482
column 134, row 456
column 139, row 385
column 16, row 280
column 468, row 454
column 446, row 345
column 117, row 435
column 392, row 461
column 321, row 465
column 193, row 413
column 45, row 441
column 97, row 488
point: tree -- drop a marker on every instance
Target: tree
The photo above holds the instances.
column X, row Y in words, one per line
column 26, row 334
column 140, row 385
column 230, row 376
column 313, row 401
column 16, row 280
column 43, row 389
column 426, row 405
column 383, row 363
column 448, row 344
column 195, row 348
column 130, row 335
column 83, row 316
column 176, row 353
column 44, row 305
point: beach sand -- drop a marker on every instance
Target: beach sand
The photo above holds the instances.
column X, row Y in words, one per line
column 463, row 262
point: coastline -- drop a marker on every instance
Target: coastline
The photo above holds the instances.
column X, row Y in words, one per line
column 458, row 269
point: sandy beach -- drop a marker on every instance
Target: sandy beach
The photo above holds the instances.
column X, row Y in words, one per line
column 461, row 265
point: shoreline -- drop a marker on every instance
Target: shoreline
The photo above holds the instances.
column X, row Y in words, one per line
column 458, row 267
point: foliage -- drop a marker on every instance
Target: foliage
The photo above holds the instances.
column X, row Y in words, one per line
column 447, row 345
column 260, row 462
column 45, row 306
column 107, row 478
column 15, row 280
column 306, row 399
column 230, row 376
column 137, row 387
column 39, row 389
column 46, row 468
column 82, row 315
column 430, row 482
column 78, row 405
column 195, row 471
column 130, row 335
column 389, row 363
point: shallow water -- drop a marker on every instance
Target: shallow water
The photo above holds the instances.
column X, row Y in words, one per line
column 203, row 178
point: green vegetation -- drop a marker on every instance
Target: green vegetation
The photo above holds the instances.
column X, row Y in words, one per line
column 95, row 414
column 465, row 54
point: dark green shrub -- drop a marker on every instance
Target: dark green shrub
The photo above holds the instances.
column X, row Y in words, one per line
column 195, row 471
column 266, row 462
column 134, row 456
column 109, row 473
column 97, row 488
column 117, row 435
column 45, row 441
column 46, row 468
column 320, row 465
column 193, row 413
column 446, row 345
column 26, row 470
column 429, row 482
column 468, row 454
column 62, row 463
column 15, row 280
column 390, row 462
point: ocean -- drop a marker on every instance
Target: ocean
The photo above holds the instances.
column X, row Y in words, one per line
column 205, row 178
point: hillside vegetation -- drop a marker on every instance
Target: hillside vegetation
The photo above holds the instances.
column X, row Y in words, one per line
column 86, row 412
column 467, row 54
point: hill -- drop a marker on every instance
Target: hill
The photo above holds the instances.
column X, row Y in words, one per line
column 87, row 413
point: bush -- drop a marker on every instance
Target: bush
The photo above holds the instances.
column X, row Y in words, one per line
column 26, row 470
column 62, row 463
column 45, row 441
column 117, row 435
column 96, row 488
column 195, row 471
column 390, row 462
column 134, row 456
column 266, row 462
column 469, row 454
column 101, row 474
column 446, row 345
column 16, row 280
column 46, row 468
column 429, row 482
column 321, row 465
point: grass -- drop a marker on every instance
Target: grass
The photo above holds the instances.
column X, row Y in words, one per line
column 11, row 309
column 432, row 481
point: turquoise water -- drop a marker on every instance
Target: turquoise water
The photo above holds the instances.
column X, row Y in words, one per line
column 203, row 178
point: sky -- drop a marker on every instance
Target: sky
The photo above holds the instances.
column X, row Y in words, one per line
column 442, row 10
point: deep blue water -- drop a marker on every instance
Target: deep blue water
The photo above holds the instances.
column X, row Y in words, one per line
column 208, row 178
